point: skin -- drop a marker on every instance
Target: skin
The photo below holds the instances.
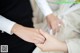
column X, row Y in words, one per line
column 52, row 43
column 34, row 36
column 53, row 22
column 28, row 34
column 40, row 38
column 31, row 34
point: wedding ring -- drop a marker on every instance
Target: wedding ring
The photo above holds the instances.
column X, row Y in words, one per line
column 59, row 25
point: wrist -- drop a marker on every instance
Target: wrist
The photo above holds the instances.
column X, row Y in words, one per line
column 16, row 28
column 52, row 17
column 63, row 47
column 60, row 46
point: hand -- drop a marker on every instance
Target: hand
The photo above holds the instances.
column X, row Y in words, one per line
column 54, row 22
column 28, row 34
column 51, row 43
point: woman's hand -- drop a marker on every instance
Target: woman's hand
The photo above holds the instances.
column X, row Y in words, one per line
column 28, row 34
column 54, row 22
column 51, row 43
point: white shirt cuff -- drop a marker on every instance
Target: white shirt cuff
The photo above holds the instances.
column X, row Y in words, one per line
column 6, row 25
column 43, row 5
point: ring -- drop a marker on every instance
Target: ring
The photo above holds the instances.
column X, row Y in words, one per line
column 59, row 25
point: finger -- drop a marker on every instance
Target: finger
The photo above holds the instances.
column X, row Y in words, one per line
column 54, row 27
column 48, row 23
column 40, row 39
column 57, row 28
column 46, row 35
column 60, row 22
column 37, row 40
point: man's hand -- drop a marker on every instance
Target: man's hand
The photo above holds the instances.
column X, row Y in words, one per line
column 52, row 43
column 28, row 34
column 54, row 22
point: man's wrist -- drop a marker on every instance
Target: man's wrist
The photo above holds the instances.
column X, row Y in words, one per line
column 16, row 28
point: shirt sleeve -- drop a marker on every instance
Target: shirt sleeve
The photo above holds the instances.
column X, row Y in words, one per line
column 44, row 6
column 6, row 25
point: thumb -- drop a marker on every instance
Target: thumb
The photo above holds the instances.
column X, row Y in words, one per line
column 46, row 35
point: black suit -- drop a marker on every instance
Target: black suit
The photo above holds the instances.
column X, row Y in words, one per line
column 19, row 11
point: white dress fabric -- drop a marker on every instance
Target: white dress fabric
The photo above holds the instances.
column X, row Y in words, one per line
column 70, row 32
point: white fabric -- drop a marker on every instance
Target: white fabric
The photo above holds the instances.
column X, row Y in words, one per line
column 44, row 6
column 73, row 46
column 6, row 25
column 69, row 34
column 77, row 6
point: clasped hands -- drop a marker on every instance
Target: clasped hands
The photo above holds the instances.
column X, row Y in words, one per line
column 43, row 40
column 51, row 43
